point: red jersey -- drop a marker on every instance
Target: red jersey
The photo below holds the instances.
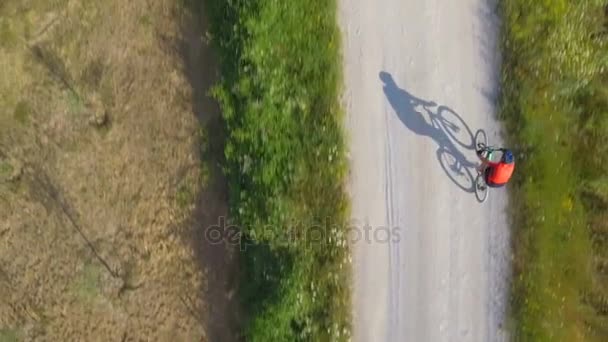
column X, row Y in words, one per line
column 500, row 172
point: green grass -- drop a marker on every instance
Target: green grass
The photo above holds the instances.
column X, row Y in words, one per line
column 22, row 112
column 285, row 164
column 556, row 110
column 74, row 103
column 6, row 170
column 9, row 335
column 87, row 283
column 185, row 193
column 8, row 38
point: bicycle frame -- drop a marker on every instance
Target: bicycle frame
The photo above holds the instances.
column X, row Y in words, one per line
column 485, row 151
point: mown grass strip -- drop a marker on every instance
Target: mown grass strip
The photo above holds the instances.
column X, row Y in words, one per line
column 286, row 165
column 555, row 104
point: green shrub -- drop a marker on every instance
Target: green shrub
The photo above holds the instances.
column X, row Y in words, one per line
column 286, row 166
column 555, row 104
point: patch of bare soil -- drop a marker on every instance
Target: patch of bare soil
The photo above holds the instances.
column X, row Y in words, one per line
column 109, row 175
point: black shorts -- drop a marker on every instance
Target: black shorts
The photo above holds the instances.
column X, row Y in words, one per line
column 487, row 175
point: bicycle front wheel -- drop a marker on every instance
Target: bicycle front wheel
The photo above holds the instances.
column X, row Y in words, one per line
column 481, row 140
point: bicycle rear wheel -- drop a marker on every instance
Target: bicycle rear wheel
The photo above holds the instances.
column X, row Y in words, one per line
column 481, row 188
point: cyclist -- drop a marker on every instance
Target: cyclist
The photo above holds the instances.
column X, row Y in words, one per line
column 497, row 174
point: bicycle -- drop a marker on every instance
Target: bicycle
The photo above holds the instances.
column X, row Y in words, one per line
column 448, row 121
column 483, row 151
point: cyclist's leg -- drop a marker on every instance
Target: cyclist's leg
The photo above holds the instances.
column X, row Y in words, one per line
column 486, row 175
column 483, row 166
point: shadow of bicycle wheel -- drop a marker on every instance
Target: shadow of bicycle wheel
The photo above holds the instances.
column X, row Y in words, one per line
column 459, row 173
column 455, row 127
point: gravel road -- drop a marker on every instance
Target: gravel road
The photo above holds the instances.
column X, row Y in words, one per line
column 421, row 77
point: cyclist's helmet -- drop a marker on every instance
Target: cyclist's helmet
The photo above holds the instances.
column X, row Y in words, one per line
column 507, row 157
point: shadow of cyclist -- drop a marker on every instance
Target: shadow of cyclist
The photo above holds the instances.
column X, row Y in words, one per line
column 425, row 118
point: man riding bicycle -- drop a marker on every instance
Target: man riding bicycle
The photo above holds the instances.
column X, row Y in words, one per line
column 497, row 174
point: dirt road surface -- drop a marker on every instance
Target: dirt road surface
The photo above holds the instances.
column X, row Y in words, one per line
column 421, row 78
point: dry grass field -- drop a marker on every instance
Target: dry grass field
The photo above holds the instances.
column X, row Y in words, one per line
column 109, row 171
